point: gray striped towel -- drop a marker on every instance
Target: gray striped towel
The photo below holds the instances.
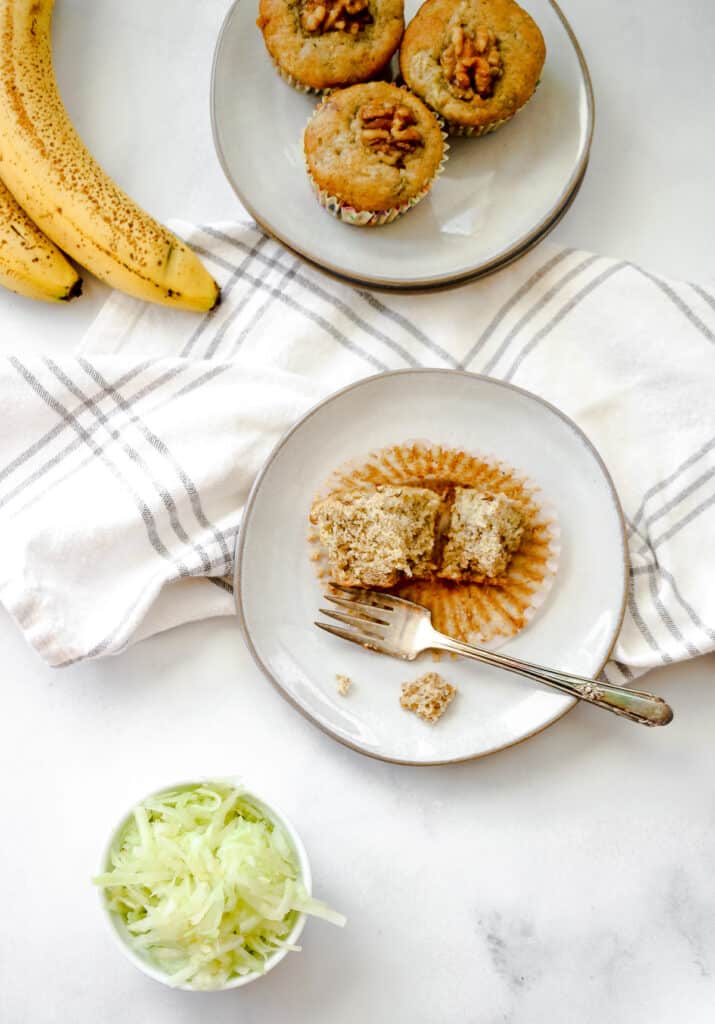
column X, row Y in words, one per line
column 123, row 469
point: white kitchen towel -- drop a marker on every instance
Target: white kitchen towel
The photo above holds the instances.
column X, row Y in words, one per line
column 123, row 470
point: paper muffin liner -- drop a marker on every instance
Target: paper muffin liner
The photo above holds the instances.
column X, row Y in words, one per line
column 295, row 82
column 383, row 73
column 487, row 612
column 348, row 214
column 454, row 128
column 476, row 133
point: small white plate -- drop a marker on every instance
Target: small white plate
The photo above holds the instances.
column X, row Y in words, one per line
column 498, row 196
column 278, row 594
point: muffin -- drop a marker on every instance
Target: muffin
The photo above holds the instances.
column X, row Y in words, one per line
column 429, row 696
column 317, row 45
column 475, row 62
column 374, row 538
column 372, row 152
column 484, row 532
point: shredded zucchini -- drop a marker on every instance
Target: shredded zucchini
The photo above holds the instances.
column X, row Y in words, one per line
column 207, row 886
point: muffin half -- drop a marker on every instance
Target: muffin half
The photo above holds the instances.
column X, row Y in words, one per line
column 476, row 62
column 484, row 532
column 317, row 45
column 372, row 152
column 373, row 538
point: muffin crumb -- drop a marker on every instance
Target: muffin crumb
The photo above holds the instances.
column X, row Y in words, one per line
column 429, row 696
column 344, row 684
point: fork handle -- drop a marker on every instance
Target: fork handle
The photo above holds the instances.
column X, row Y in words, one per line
column 640, row 707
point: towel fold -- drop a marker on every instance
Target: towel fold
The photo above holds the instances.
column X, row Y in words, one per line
column 124, row 469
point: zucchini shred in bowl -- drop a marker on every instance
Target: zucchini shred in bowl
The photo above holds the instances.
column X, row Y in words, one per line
column 206, row 887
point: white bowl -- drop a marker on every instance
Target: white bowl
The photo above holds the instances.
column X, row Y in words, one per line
column 144, row 963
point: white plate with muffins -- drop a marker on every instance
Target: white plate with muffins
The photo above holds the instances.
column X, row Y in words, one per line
column 449, row 489
column 402, row 148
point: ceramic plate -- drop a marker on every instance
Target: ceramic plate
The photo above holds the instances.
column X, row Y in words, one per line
column 278, row 593
column 498, row 196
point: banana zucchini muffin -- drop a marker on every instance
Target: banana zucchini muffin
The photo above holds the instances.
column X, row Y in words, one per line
column 374, row 538
column 372, row 152
column 476, row 62
column 318, row 45
column 484, row 531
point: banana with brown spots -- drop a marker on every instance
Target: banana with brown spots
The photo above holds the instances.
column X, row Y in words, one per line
column 63, row 189
column 29, row 263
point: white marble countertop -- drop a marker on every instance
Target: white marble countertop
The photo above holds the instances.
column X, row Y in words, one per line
column 569, row 879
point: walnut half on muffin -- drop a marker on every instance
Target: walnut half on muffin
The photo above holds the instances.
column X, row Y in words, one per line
column 475, row 62
column 374, row 538
column 324, row 44
column 372, row 152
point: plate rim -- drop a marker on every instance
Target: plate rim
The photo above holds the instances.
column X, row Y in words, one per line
column 253, row 493
column 440, row 282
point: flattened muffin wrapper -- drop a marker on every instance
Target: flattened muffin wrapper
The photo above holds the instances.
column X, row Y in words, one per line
column 486, row 613
column 348, row 214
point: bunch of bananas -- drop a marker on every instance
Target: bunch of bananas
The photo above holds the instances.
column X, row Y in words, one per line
column 56, row 199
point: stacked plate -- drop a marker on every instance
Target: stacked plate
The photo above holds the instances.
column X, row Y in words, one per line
column 498, row 197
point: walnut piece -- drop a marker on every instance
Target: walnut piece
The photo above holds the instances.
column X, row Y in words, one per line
column 471, row 64
column 389, row 129
column 319, row 16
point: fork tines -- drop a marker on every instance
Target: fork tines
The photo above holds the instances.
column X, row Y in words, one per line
column 365, row 611
column 357, row 638
column 359, row 609
column 375, row 598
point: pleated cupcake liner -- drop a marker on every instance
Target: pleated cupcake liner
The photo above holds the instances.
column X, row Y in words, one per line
column 295, row 83
column 348, row 214
column 299, row 86
column 467, row 131
column 487, row 612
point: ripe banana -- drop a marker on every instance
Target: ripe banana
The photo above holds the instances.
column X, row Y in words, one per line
column 29, row 263
column 58, row 183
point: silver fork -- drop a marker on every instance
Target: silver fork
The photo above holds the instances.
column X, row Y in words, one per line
column 392, row 625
